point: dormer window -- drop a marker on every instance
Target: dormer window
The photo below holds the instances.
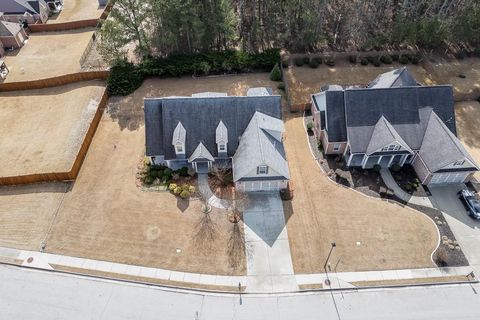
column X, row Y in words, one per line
column 221, row 137
column 459, row 163
column 262, row 170
column 222, row 147
column 179, row 149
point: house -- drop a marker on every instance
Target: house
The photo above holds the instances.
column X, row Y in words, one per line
column 213, row 129
column 12, row 34
column 394, row 120
column 21, row 11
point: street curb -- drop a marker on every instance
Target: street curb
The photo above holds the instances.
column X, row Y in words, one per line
column 230, row 293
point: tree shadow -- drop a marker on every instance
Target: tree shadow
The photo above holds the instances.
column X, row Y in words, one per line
column 205, row 233
column 126, row 113
column 236, row 247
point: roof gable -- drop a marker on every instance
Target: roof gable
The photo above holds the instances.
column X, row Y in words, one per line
column 201, row 153
column 384, row 134
column 441, row 147
column 9, row 29
column 258, row 147
column 396, row 78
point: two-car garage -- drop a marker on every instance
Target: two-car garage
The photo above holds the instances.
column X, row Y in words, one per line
column 449, row 177
column 261, row 185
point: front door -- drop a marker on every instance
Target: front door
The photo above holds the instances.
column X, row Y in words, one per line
column 201, row 166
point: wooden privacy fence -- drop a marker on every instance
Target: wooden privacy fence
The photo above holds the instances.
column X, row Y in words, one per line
column 63, row 26
column 77, row 164
column 54, row 81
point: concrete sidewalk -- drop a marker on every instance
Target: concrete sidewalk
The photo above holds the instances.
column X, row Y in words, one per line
column 392, row 184
column 281, row 278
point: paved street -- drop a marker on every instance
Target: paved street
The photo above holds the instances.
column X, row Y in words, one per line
column 466, row 229
column 29, row 294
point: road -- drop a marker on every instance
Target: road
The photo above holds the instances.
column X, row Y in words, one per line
column 32, row 294
column 465, row 229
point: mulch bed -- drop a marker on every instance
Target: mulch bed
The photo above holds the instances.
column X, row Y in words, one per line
column 406, row 176
column 371, row 183
column 220, row 189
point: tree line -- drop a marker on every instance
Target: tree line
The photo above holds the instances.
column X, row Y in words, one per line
column 162, row 27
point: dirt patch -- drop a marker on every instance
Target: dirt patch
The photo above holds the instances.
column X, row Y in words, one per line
column 48, row 54
column 26, row 213
column 304, row 81
column 370, row 234
column 466, row 87
column 467, row 116
column 42, row 130
column 106, row 217
column 74, row 10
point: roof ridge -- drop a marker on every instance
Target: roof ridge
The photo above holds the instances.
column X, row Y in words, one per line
column 258, row 136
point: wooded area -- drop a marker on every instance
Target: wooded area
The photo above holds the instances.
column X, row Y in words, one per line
column 161, row 27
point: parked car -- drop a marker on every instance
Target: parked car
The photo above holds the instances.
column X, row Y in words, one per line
column 471, row 202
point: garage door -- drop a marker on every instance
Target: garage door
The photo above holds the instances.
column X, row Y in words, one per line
column 261, row 186
column 444, row 178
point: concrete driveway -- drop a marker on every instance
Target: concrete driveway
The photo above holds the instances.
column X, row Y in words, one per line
column 269, row 263
column 465, row 229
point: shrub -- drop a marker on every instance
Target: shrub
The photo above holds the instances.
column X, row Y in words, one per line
column 184, row 194
column 313, row 64
column 386, row 59
column 330, row 61
column 319, row 60
column 394, row 56
column 281, row 86
column 172, row 186
column 461, row 55
column 377, row 62
column 157, row 167
column 299, row 62
column 203, row 68
column 183, row 172
column 352, row 58
column 404, row 59
column 441, row 257
column 416, row 180
column 148, row 180
column 177, row 190
column 309, row 126
column 398, row 178
column 371, row 59
column 191, row 189
column 154, row 173
column 276, row 74
column 396, row 167
column 123, row 79
column 306, row 60
column 377, row 168
column 364, row 61
column 414, row 58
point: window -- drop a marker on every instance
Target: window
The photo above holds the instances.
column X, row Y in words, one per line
column 179, row 148
column 336, row 146
column 459, row 163
column 262, row 170
column 222, row 147
column 392, row 147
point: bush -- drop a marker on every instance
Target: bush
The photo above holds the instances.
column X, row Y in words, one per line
column 394, row 56
column 276, row 74
column 157, row 167
column 319, row 60
column 183, row 172
column 306, row 60
column 352, row 58
column 281, row 86
column 371, row 59
column 203, row 68
column 441, row 257
column 191, row 189
column 154, row 173
column 184, row 194
column 404, row 59
column 148, row 180
column 313, row 64
column 396, row 167
column 386, row 59
column 309, row 126
column 123, row 79
column 299, row 62
column 377, row 62
column 408, row 187
column 177, row 190
column 377, row 168
column 414, row 58
column 416, row 180
column 172, row 186
column 330, row 61
column 364, row 61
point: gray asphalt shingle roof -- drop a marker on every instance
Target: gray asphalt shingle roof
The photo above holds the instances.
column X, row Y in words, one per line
column 261, row 144
column 384, row 134
column 200, row 118
column 20, row 6
column 395, row 78
column 335, row 113
column 9, row 29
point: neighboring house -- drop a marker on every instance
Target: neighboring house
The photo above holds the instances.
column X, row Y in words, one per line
column 394, row 120
column 30, row 11
column 12, row 34
column 212, row 129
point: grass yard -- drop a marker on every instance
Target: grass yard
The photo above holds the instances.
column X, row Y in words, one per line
column 467, row 116
column 370, row 234
column 106, row 217
column 305, row 81
column 48, row 54
column 42, row 130
column 26, row 213
column 74, row 10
